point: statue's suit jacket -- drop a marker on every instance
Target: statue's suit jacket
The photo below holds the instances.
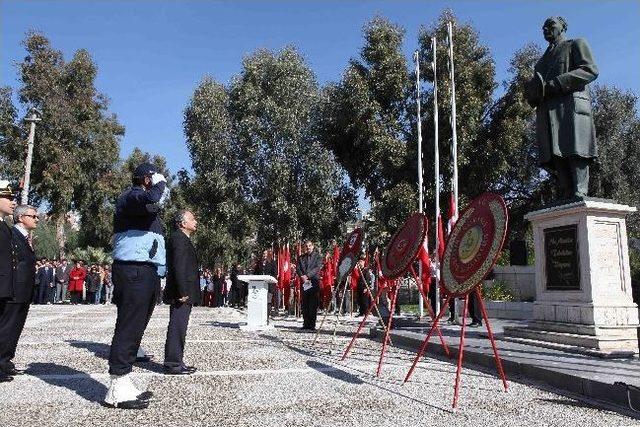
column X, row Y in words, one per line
column 564, row 122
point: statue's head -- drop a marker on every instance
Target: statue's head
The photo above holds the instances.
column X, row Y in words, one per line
column 553, row 28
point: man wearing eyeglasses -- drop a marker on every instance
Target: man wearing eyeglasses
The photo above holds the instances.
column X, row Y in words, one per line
column 14, row 310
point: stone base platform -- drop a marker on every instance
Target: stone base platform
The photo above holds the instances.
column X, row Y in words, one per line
column 601, row 341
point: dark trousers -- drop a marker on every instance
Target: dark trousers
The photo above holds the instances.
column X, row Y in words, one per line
column 363, row 300
column 43, row 294
column 91, row 298
column 76, row 297
column 218, row 297
column 474, row 308
column 176, row 335
column 310, row 307
column 135, row 289
column 12, row 319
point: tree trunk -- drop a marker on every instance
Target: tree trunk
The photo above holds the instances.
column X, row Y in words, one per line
column 61, row 235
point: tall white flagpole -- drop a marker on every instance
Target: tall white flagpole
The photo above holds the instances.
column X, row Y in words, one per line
column 416, row 58
column 436, row 167
column 454, row 141
column 454, row 133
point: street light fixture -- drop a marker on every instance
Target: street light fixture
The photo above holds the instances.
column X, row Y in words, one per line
column 32, row 119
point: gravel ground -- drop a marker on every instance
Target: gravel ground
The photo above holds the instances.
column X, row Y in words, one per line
column 276, row 378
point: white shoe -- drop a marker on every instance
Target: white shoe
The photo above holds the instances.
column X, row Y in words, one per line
column 124, row 394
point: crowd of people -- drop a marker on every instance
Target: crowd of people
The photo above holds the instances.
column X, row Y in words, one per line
column 59, row 281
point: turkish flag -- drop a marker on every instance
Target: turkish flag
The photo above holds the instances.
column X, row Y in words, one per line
column 441, row 242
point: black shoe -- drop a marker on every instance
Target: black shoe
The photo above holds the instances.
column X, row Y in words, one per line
column 180, row 371
column 145, row 395
column 144, row 359
column 475, row 324
column 12, row 372
column 129, row 404
column 192, row 369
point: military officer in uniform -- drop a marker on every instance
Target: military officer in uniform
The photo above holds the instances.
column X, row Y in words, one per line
column 138, row 263
column 7, row 205
column 564, row 125
column 14, row 310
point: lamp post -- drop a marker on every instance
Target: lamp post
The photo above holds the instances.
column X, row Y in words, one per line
column 27, row 169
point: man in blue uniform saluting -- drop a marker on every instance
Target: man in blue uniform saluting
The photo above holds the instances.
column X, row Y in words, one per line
column 138, row 263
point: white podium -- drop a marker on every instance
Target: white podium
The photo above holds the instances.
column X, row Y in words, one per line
column 257, row 300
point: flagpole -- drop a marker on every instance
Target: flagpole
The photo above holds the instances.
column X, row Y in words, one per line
column 454, row 139
column 436, row 168
column 416, row 58
column 454, row 133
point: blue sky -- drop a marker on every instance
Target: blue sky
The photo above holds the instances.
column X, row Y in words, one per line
column 152, row 54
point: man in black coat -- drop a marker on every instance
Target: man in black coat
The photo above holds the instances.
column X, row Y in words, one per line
column 308, row 268
column 182, row 291
column 13, row 311
column 46, row 284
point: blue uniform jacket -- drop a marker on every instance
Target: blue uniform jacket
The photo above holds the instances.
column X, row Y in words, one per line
column 137, row 227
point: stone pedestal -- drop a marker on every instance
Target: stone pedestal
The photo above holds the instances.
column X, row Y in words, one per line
column 257, row 302
column 583, row 280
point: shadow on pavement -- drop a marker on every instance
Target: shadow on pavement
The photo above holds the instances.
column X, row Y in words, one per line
column 85, row 387
column 335, row 373
column 101, row 350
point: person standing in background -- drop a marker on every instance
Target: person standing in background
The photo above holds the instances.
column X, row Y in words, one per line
column 77, row 275
column 62, row 280
column 308, row 267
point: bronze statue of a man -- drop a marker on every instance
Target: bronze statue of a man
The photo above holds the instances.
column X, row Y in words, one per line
column 564, row 125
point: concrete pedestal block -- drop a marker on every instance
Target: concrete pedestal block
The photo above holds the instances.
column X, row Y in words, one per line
column 583, row 279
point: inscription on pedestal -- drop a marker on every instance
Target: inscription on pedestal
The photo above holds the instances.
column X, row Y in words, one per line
column 561, row 253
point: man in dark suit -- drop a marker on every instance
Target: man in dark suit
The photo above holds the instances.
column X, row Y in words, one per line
column 45, row 280
column 308, row 268
column 62, row 280
column 7, row 205
column 13, row 311
column 182, row 291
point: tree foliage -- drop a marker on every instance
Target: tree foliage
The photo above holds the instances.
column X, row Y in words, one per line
column 261, row 175
column 77, row 142
column 616, row 173
column 363, row 121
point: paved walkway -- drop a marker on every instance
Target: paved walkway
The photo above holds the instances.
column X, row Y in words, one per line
column 272, row 379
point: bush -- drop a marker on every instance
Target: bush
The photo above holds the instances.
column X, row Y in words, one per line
column 91, row 255
column 499, row 291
